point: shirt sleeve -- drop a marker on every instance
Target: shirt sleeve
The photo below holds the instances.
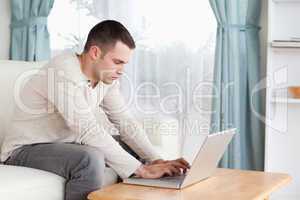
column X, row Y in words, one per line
column 130, row 129
column 71, row 103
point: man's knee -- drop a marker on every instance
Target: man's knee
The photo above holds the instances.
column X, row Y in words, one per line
column 91, row 164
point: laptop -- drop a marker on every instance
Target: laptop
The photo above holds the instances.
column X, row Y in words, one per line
column 203, row 166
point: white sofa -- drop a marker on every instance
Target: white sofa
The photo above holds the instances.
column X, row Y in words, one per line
column 21, row 183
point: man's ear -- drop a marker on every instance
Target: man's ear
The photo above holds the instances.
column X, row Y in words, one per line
column 95, row 52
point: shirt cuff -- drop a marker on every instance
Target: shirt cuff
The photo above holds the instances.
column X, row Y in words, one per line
column 131, row 167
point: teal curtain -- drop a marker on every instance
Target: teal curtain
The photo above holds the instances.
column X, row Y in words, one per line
column 29, row 32
column 237, row 71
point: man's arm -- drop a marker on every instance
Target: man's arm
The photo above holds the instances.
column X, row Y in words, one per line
column 130, row 130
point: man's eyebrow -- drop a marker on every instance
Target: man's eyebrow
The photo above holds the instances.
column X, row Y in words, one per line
column 120, row 61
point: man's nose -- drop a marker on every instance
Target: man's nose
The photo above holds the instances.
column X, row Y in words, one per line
column 120, row 71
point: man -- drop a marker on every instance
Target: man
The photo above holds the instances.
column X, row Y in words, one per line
column 61, row 122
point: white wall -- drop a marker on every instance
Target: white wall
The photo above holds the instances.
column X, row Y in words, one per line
column 4, row 28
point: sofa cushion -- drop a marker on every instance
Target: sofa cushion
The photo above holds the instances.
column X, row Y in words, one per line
column 26, row 183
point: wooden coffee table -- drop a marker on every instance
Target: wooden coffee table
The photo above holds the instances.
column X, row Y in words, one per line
column 224, row 184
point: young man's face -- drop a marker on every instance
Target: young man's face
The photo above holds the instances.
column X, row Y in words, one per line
column 109, row 67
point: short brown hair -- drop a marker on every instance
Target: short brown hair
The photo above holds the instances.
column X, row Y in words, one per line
column 107, row 33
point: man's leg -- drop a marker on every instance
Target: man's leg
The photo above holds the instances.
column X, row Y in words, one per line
column 82, row 166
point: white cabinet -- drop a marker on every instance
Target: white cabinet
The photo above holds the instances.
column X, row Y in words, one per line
column 283, row 112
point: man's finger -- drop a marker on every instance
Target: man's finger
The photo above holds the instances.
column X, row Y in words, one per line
column 179, row 165
column 168, row 171
column 174, row 170
column 183, row 161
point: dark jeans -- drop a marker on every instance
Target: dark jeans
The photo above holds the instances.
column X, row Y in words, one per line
column 82, row 166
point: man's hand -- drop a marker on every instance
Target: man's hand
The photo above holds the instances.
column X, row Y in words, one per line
column 159, row 168
column 180, row 161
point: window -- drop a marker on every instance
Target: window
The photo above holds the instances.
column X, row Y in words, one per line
column 175, row 43
column 153, row 23
column 170, row 72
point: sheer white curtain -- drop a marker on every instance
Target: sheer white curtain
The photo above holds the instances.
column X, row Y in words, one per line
column 170, row 73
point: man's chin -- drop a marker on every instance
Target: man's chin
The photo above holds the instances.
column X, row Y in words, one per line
column 108, row 82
